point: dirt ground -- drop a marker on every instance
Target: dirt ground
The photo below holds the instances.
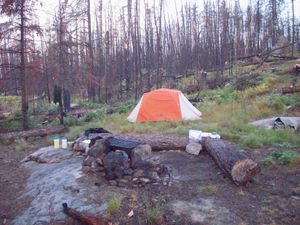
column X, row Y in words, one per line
column 199, row 193
column 13, row 178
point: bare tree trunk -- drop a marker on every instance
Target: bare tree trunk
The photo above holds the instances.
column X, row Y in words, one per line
column 293, row 27
column 22, row 69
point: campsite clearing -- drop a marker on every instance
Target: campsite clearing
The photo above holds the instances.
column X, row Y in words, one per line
column 199, row 194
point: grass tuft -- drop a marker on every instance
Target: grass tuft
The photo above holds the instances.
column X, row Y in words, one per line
column 209, row 189
column 21, row 144
column 153, row 213
column 114, row 204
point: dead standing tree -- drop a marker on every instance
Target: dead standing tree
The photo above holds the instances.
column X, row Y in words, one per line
column 21, row 9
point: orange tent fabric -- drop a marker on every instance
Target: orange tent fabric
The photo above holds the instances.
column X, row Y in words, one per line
column 163, row 105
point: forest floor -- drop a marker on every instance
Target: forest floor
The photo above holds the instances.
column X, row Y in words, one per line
column 199, row 194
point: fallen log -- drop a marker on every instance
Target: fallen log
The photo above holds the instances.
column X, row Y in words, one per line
column 33, row 133
column 234, row 163
column 290, row 90
column 84, row 218
column 158, row 142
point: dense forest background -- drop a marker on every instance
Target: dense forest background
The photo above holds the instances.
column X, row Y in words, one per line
column 104, row 55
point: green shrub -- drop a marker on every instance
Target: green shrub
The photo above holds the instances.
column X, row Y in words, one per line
column 89, row 105
column 114, row 204
column 93, row 116
column 52, row 109
column 17, row 113
column 126, row 107
column 71, row 121
column 17, row 125
column 221, row 95
column 281, row 158
column 280, row 101
column 55, row 122
column 268, row 161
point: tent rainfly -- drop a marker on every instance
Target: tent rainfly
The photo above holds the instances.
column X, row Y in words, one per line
column 163, row 105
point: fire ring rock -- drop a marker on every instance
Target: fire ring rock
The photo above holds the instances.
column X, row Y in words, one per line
column 100, row 147
column 116, row 164
column 141, row 152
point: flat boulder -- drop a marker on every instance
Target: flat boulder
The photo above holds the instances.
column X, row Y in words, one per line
column 193, row 148
column 141, row 153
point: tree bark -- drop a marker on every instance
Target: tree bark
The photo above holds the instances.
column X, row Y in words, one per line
column 22, row 69
column 159, row 142
column 32, row 133
column 234, row 163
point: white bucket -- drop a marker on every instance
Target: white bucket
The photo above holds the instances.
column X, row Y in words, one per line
column 195, row 135
column 64, row 144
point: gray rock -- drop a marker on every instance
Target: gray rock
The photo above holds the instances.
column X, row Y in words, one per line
column 142, row 164
column 99, row 148
column 122, row 182
column 95, row 167
column 141, row 152
column 99, row 161
column 193, row 148
column 115, row 164
column 138, row 173
column 88, row 161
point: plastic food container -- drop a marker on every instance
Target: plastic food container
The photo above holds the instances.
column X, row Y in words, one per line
column 64, row 143
column 56, row 142
column 195, row 135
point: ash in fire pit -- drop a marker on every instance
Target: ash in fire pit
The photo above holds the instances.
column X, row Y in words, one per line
column 123, row 162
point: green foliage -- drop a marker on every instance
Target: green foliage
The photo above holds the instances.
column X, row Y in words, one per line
column 278, row 101
column 281, row 158
column 221, row 95
column 257, row 90
column 10, row 103
column 153, row 213
column 93, row 116
column 17, row 125
column 70, row 121
column 52, row 109
column 114, row 204
column 246, row 81
column 126, row 107
column 258, row 137
column 89, row 105
column 17, row 113
column 21, row 144
column 55, row 122
column 12, row 125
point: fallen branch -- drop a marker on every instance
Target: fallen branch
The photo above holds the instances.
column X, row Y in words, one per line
column 32, row 133
column 84, row 218
column 234, row 163
column 290, row 90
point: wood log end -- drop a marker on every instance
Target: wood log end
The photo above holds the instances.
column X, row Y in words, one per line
column 243, row 171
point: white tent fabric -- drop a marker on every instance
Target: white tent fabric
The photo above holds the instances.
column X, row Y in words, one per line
column 133, row 115
column 188, row 111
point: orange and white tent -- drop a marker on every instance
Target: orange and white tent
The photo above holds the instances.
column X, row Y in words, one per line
column 164, row 105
